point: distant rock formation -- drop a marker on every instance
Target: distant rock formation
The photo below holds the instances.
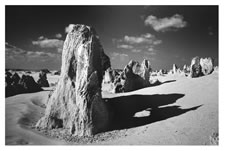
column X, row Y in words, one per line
column 195, row 68
column 186, row 69
column 45, row 71
column 207, row 65
column 15, row 78
column 8, row 78
column 77, row 104
column 42, row 81
column 108, row 76
column 134, row 77
column 16, row 85
column 28, row 84
column 162, row 72
column 174, row 68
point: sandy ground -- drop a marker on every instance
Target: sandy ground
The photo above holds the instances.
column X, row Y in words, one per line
column 180, row 111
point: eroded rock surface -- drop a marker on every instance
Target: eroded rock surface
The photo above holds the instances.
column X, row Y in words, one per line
column 195, row 68
column 77, row 104
column 134, row 76
column 207, row 65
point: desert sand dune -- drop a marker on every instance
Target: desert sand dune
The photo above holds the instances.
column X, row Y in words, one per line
column 180, row 110
column 21, row 112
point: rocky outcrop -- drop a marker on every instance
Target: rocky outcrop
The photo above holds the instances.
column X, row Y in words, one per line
column 207, row 65
column 76, row 104
column 28, row 84
column 195, row 68
column 134, row 77
column 16, row 85
column 42, row 81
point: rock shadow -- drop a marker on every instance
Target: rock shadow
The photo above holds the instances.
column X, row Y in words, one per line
column 124, row 108
column 157, row 83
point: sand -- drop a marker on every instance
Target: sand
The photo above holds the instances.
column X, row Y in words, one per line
column 180, row 111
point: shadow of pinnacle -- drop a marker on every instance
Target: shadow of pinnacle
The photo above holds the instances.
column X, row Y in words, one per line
column 124, row 108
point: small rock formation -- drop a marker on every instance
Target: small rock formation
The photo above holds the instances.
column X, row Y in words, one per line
column 42, row 81
column 161, row 72
column 76, row 104
column 195, row 68
column 207, row 65
column 174, row 68
column 134, row 77
column 186, row 69
column 108, row 76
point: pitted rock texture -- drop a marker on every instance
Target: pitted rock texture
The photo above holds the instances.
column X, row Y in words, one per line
column 77, row 104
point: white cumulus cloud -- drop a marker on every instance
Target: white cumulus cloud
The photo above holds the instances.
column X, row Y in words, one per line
column 137, row 44
column 49, row 43
column 165, row 24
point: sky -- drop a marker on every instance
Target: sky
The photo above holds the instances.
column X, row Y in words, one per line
column 165, row 35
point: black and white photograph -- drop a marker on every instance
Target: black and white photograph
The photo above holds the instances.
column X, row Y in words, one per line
column 111, row 75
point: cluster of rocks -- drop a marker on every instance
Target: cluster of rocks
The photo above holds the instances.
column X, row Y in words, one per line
column 201, row 66
column 134, row 76
column 16, row 85
column 42, row 81
column 111, row 75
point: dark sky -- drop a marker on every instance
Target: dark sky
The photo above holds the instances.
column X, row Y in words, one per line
column 162, row 34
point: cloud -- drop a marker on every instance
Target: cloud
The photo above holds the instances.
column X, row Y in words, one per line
column 142, row 39
column 14, row 52
column 121, row 56
column 58, row 35
column 150, row 53
column 41, row 38
column 165, row 24
column 49, row 43
column 136, row 50
column 147, row 38
column 69, row 28
column 35, row 54
column 136, row 44
column 124, row 46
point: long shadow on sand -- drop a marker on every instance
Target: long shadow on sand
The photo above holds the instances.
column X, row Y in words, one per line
column 160, row 83
column 125, row 107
